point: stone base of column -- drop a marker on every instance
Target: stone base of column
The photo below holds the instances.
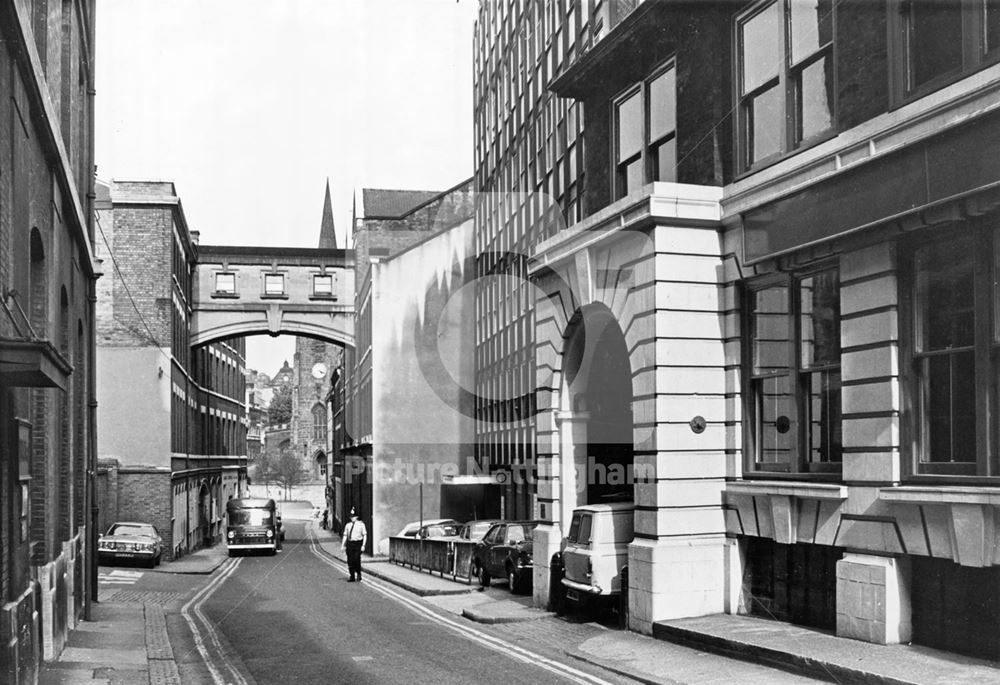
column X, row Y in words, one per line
column 545, row 542
column 675, row 578
column 873, row 599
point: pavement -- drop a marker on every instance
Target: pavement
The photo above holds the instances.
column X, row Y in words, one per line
column 127, row 644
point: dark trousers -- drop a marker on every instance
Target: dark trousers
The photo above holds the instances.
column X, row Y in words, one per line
column 354, row 558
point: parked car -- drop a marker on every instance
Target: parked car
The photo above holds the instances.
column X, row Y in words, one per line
column 127, row 541
column 594, row 552
column 505, row 552
column 410, row 531
column 473, row 531
column 439, row 530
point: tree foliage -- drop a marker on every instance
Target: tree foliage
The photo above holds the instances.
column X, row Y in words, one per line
column 280, row 410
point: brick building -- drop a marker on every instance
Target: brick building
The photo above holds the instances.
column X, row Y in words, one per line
column 765, row 288
column 174, row 427
column 47, row 274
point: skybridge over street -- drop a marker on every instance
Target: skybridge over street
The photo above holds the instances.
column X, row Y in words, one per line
column 274, row 290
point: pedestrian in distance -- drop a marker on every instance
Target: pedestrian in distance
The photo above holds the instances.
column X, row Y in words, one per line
column 353, row 540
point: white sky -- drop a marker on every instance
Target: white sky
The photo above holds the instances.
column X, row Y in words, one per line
column 250, row 105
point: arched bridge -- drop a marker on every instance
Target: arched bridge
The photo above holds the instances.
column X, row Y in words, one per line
column 273, row 290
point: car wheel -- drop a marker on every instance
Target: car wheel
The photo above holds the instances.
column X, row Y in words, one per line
column 158, row 560
column 484, row 577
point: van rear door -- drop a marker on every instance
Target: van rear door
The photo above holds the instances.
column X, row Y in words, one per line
column 576, row 556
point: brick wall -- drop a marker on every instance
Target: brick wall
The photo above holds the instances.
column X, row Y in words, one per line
column 145, row 496
column 142, row 242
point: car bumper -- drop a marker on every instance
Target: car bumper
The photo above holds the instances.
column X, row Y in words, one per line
column 114, row 555
column 251, row 545
column 583, row 588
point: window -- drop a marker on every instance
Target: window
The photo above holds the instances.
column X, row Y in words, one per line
column 785, row 77
column 645, row 120
column 274, row 284
column 939, row 41
column 323, row 285
column 225, row 283
column 952, row 375
column 794, row 394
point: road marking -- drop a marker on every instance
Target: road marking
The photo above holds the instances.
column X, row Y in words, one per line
column 363, row 658
column 485, row 639
column 117, row 577
column 192, row 612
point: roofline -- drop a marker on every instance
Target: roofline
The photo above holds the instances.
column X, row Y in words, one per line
column 418, row 207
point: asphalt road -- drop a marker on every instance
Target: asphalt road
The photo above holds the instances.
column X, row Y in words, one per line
column 293, row 619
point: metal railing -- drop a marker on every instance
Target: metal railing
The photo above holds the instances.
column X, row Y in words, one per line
column 451, row 558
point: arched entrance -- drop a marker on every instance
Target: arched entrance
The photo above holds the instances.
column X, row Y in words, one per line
column 204, row 515
column 597, row 406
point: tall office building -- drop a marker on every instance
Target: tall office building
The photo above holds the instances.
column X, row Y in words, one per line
column 774, row 312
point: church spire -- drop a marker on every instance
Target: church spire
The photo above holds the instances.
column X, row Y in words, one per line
column 327, row 235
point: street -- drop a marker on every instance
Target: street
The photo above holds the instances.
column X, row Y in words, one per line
column 293, row 616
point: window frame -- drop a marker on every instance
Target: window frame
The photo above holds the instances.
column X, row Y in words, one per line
column 787, row 88
column 798, row 465
column 644, row 156
column 323, row 294
column 975, row 52
column 986, row 355
column 265, row 292
column 218, row 292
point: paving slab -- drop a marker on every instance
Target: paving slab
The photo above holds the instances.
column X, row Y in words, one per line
column 824, row 655
column 202, row 562
column 504, row 611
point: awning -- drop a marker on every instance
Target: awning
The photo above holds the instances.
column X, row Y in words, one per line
column 32, row 364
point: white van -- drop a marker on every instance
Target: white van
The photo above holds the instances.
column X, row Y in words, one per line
column 596, row 549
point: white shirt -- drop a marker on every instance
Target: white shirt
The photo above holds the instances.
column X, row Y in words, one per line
column 355, row 530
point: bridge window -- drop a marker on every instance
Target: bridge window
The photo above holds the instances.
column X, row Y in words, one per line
column 225, row 284
column 322, row 285
column 274, row 284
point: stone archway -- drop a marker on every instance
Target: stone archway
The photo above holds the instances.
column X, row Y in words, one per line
column 596, row 398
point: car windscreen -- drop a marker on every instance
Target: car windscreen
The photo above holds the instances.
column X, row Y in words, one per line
column 250, row 517
column 520, row 533
column 124, row 529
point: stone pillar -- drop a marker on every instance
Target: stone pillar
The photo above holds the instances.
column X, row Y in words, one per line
column 873, row 598
column 557, row 480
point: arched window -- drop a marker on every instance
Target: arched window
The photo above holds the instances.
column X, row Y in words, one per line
column 319, row 423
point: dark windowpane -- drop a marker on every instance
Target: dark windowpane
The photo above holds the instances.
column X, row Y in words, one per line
column 629, row 127
column 662, row 105
column 823, row 416
column 665, row 161
column 950, row 415
column 764, row 124
column 991, row 8
column 810, row 27
column 770, row 330
column 820, row 319
column 814, row 91
column 934, row 39
column 776, row 432
column 759, row 43
column 945, row 317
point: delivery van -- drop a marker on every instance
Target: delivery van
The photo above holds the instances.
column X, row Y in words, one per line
column 595, row 550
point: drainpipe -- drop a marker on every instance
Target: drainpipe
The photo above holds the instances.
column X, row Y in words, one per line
column 91, row 481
